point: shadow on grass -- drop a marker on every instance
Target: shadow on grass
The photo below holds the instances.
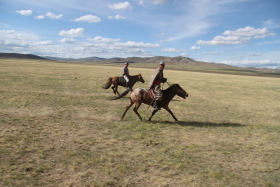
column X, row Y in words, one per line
column 200, row 124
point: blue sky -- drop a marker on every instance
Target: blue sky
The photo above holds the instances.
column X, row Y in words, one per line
column 243, row 33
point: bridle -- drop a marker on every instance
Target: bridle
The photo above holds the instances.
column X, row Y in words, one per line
column 178, row 91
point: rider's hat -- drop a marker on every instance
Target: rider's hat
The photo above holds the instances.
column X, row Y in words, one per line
column 161, row 63
column 126, row 63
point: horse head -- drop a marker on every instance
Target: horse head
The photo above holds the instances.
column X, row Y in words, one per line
column 180, row 91
column 140, row 78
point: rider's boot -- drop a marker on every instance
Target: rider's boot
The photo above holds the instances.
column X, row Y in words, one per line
column 156, row 105
column 127, row 86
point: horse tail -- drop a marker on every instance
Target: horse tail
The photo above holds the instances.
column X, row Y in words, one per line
column 123, row 94
column 108, row 84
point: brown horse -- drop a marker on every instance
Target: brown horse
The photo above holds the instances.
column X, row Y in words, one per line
column 140, row 95
column 115, row 81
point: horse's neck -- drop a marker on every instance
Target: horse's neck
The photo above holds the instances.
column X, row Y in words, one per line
column 169, row 93
column 134, row 77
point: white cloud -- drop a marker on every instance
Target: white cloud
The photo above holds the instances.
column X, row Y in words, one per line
column 89, row 19
column 193, row 18
column 49, row 42
column 161, row 34
column 72, row 32
column 112, row 47
column 12, row 38
column 269, row 42
column 161, row 2
column 53, row 16
column 183, row 54
column 211, row 53
column 239, row 36
column 24, row 12
column 120, row 6
column 264, row 35
column 173, row 50
column 196, row 17
column 117, row 17
column 195, row 48
column 224, row 40
column 250, row 32
column 103, row 40
column 22, row 42
column 271, row 24
column 138, row 45
column 40, row 17
column 256, row 54
column 111, row 50
column 67, row 40
column 254, row 63
column 141, row 2
column 268, row 22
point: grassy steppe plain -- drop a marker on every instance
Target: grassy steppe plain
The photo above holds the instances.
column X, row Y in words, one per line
column 58, row 127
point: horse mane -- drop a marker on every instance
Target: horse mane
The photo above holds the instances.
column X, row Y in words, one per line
column 171, row 86
column 134, row 75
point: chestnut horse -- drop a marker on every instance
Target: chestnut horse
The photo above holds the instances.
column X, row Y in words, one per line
column 141, row 95
column 115, row 81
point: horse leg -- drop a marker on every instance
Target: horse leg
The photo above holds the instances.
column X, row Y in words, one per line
column 170, row 112
column 127, row 107
column 135, row 110
column 116, row 90
column 113, row 88
column 150, row 118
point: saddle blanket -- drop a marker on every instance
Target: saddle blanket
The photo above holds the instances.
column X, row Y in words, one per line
column 121, row 79
column 152, row 94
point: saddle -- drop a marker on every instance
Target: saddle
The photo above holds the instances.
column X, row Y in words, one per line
column 121, row 79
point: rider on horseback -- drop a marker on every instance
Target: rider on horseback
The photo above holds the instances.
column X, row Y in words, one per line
column 126, row 73
column 154, row 84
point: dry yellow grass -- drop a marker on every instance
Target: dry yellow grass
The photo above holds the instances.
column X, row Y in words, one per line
column 60, row 128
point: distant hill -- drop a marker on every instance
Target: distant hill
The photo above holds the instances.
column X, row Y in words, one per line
column 73, row 59
column 179, row 60
column 176, row 63
column 22, row 56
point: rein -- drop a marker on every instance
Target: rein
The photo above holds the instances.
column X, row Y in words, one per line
column 180, row 91
column 167, row 83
